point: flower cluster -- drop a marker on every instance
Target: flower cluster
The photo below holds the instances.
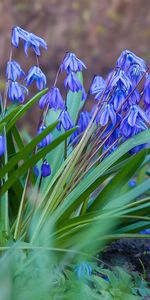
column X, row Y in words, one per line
column 122, row 98
column 123, row 103
column 53, row 98
column 30, row 40
column 17, row 91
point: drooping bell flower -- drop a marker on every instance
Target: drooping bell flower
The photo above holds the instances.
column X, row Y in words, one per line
column 30, row 40
column 64, row 121
column 106, row 114
column 36, row 74
column 120, row 78
column 72, row 63
column 128, row 58
column 53, row 99
column 72, row 82
column 17, row 92
column 47, row 140
column 97, row 87
column 14, row 70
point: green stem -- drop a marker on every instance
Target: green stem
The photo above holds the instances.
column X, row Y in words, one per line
column 21, row 207
column 65, row 149
column 4, row 202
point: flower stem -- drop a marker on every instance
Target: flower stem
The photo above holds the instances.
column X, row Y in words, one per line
column 21, row 207
column 65, row 149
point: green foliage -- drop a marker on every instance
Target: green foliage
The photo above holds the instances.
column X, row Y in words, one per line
column 85, row 203
column 38, row 276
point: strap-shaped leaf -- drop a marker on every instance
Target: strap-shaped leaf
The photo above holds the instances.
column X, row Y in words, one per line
column 23, row 153
column 33, row 160
column 114, row 187
column 11, row 114
column 24, row 108
column 91, row 182
column 17, row 137
column 74, row 101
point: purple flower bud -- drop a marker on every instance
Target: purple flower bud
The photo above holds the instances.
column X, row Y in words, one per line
column 14, row 71
column 53, row 98
column 17, row 92
column 72, row 82
column 65, row 121
column 72, row 63
column 132, row 183
column 47, row 140
column 2, row 145
column 45, row 169
column 36, row 74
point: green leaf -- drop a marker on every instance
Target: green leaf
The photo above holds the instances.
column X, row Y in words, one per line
column 24, row 152
column 2, row 125
column 24, row 108
column 10, row 114
column 130, row 195
column 17, row 137
column 34, row 159
column 91, row 181
column 115, row 186
column 74, row 101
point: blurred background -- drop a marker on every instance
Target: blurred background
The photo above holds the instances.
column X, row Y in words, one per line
column 96, row 30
